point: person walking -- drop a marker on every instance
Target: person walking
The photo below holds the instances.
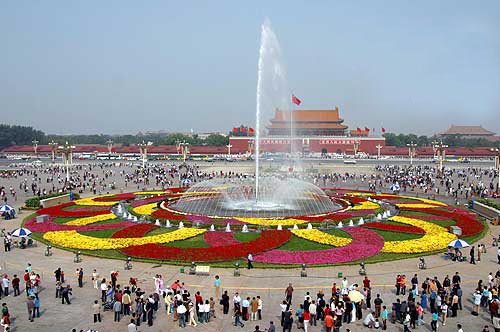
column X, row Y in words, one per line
column 30, row 305
column 289, row 293
column 237, row 316
column 225, row 303
column 36, row 309
column 65, row 293
column 96, row 310
column 250, row 261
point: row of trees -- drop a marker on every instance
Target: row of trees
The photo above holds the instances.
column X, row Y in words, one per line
column 400, row 140
column 22, row 135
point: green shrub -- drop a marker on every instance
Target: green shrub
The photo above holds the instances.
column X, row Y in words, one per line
column 489, row 203
column 34, row 202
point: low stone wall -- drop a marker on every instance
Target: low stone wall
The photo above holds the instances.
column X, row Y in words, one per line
column 486, row 211
column 48, row 202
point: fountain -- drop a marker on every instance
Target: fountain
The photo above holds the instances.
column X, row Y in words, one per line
column 340, row 225
column 361, row 222
column 309, row 226
column 228, row 228
column 157, row 222
column 167, row 224
column 279, row 228
column 244, row 229
column 295, row 227
column 351, row 223
column 263, row 196
column 181, row 225
column 212, row 228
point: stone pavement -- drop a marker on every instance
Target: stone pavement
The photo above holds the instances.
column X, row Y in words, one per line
column 269, row 284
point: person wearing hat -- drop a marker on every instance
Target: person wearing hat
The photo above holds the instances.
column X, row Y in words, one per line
column 192, row 314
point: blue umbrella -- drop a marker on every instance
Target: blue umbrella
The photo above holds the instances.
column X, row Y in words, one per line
column 458, row 244
column 6, row 208
column 21, row 232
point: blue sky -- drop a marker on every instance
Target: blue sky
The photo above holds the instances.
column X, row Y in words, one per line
column 129, row 66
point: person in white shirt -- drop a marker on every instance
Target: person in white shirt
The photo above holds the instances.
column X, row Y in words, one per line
column 132, row 327
column 236, row 299
column 259, row 308
column 206, row 310
column 95, row 278
column 181, row 314
column 5, row 285
column 369, row 321
column 104, row 290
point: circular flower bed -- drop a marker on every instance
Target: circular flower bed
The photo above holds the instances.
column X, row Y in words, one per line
column 145, row 226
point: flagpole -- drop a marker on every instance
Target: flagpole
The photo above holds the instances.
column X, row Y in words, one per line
column 291, row 126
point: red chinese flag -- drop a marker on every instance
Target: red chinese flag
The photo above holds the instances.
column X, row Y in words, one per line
column 383, row 129
column 358, row 129
column 296, row 100
column 250, row 130
column 243, row 129
column 367, row 129
column 235, row 130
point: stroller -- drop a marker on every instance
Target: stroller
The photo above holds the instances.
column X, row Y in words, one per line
column 108, row 306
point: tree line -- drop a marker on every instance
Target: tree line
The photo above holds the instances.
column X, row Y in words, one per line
column 24, row 135
column 401, row 140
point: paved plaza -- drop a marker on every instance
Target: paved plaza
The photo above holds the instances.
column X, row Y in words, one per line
column 269, row 284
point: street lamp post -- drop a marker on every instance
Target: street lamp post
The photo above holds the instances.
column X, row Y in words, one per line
column 355, row 147
column 229, row 146
column 53, row 147
column 441, row 153
column 411, row 151
column 379, row 147
column 35, row 147
column 184, row 148
column 497, row 165
column 143, row 147
column 250, row 146
column 110, row 145
column 67, row 153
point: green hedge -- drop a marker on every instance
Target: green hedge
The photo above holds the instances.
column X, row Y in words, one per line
column 34, row 202
column 489, row 203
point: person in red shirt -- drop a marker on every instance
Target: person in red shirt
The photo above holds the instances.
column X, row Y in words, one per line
column 366, row 282
column 327, row 310
column 15, row 285
column 306, row 316
column 329, row 323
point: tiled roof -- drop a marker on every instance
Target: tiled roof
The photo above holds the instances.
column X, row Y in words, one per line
column 467, row 130
column 308, row 116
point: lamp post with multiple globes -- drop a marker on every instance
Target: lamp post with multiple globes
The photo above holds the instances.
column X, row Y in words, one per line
column 440, row 149
column 67, row 154
column 411, row 151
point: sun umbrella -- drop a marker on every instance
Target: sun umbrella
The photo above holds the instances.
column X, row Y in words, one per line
column 21, row 232
column 356, row 296
column 458, row 244
column 6, row 208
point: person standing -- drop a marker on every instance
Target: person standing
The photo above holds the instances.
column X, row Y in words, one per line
column 57, row 274
column 254, row 306
column 378, row 305
column 217, row 287
column 36, row 309
column 104, row 290
column 192, row 314
column 117, row 309
column 384, row 315
column 181, row 312
column 126, row 301
column 95, row 279
column 5, row 285
column 259, row 308
column 96, row 310
column 471, row 254
column 498, row 255
column 289, row 293
column 15, row 285
column 80, row 278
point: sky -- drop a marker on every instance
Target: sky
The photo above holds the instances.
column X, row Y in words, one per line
column 121, row 67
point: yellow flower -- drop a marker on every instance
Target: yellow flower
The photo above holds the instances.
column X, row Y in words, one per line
column 272, row 222
column 416, row 206
column 91, row 220
column 321, row 237
column 425, row 200
column 146, row 209
column 90, row 201
column 435, row 238
column 72, row 239
column 365, row 206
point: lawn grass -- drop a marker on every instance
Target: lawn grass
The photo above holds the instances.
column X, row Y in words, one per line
column 246, row 237
column 297, row 243
column 105, row 233
column 396, row 236
column 63, row 220
column 194, row 242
